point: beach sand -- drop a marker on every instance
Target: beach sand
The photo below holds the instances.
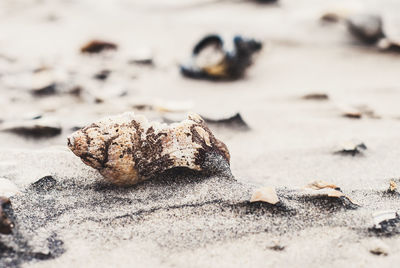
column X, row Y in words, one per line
column 182, row 218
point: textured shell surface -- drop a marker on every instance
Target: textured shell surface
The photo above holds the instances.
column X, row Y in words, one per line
column 127, row 148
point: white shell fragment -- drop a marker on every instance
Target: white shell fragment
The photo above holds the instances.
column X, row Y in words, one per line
column 317, row 185
column 352, row 148
column 142, row 56
column 325, row 192
column 381, row 217
column 127, row 148
column 322, row 188
column 265, row 194
column 234, row 121
column 387, row 44
column 43, row 83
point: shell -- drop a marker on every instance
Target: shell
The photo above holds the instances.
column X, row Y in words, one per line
column 127, row 148
column 322, row 188
column 212, row 59
column 265, row 194
column 392, row 186
column 367, row 28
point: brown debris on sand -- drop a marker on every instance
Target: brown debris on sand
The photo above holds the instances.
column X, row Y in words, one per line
column 392, row 187
column 6, row 225
column 45, row 91
column 102, row 75
column 360, row 111
column 352, row 115
column 97, row 46
column 39, row 128
column 330, row 17
column 316, row 96
column 379, row 251
column 127, row 148
column 352, row 148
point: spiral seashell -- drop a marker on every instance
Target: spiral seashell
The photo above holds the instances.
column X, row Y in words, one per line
column 127, row 148
column 213, row 60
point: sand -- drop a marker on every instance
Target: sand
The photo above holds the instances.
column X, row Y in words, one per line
column 181, row 218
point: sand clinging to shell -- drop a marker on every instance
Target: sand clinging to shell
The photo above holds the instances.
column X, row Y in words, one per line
column 127, row 148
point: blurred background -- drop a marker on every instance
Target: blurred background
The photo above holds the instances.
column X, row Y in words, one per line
column 46, row 80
